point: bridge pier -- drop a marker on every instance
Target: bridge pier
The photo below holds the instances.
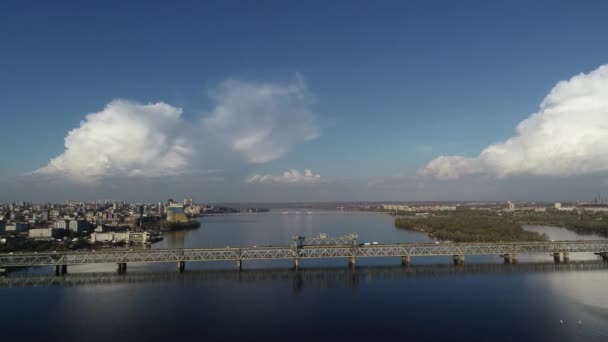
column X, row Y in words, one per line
column 61, row 269
column 566, row 256
column 239, row 265
column 406, row 260
column 458, row 259
column 181, row 266
column 510, row 258
column 296, row 264
column 556, row 258
column 351, row 262
column 122, row 267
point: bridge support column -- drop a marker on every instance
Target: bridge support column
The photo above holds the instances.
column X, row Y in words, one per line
column 122, row 267
column 61, row 269
column 239, row 265
column 510, row 258
column 351, row 262
column 181, row 266
column 458, row 259
column 566, row 256
column 296, row 264
column 406, row 260
column 556, row 257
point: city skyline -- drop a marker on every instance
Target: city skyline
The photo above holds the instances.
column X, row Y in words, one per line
column 284, row 102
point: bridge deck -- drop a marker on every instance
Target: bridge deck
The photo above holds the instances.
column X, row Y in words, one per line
column 296, row 252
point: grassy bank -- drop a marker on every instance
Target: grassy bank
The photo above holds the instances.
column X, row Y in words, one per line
column 469, row 226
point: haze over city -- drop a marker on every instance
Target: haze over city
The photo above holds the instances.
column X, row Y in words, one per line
column 291, row 102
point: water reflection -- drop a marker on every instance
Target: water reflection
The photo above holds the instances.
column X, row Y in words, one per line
column 322, row 277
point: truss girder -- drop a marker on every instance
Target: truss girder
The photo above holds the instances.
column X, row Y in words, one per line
column 289, row 252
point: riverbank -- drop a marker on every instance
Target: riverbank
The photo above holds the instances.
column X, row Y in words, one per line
column 469, row 226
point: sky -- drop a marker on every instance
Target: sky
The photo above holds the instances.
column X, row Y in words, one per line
column 269, row 101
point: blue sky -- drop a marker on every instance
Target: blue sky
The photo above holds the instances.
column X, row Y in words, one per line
column 391, row 85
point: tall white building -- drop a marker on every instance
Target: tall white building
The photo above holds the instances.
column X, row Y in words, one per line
column 60, row 224
column 78, row 226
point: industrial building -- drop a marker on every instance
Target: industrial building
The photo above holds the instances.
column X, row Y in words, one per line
column 120, row 237
column 44, row 233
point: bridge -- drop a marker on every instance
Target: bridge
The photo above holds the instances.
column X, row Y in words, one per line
column 306, row 248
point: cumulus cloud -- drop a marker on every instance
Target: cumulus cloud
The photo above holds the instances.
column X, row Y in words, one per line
column 262, row 121
column 568, row 136
column 292, row 177
column 125, row 139
column 249, row 123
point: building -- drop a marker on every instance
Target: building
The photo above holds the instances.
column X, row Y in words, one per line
column 78, row 226
column 110, row 237
column 511, row 205
column 138, row 237
column 44, row 233
column 18, row 227
column 557, row 205
column 175, row 214
column 45, row 215
column 396, row 207
column 120, row 237
column 60, row 224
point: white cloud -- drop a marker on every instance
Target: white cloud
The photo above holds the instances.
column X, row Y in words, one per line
column 124, row 139
column 262, row 121
column 292, row 176
column 567, row 136
column 249, row 122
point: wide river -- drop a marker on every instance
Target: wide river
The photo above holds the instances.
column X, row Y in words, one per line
column 433, row 300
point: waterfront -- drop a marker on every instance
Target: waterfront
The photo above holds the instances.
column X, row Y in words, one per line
column 481, row 300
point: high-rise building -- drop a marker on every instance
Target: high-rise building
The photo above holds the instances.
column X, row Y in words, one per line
column 175, row 214
column 78, row 226
column 46, row 215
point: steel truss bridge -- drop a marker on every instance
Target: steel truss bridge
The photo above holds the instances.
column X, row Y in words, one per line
column 305, row 248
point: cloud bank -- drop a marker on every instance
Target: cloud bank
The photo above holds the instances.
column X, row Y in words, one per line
column 290, row 177
column 127, row 139
column 258, row 122
column 568, row 136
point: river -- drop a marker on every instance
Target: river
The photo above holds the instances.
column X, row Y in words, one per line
column 534, row 300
